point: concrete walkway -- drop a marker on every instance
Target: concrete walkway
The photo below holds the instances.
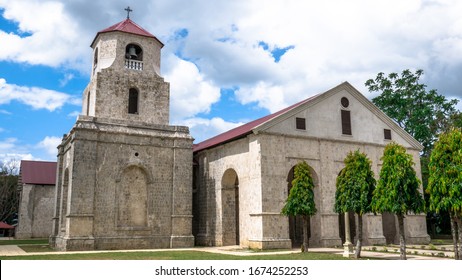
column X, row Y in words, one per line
column 13, row 250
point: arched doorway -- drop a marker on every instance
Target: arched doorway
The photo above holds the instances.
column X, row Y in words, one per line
column 296, row 222
column 230, row 208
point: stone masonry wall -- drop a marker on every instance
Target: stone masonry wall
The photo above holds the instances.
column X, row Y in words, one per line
column 36, row 211
column 104, row 152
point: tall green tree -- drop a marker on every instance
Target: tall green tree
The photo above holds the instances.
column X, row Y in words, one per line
column 9, row 195
column 422, row 113
column 301, row 199
column 397, row 189
column 355, row 185
column 445, row 182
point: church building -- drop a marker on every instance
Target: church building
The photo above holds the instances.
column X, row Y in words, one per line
column 127, row 179
column 243, row 176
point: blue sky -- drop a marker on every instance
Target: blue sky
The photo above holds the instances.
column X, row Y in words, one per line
column 234, row 60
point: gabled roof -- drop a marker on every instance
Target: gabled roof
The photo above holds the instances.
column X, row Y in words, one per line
column 38, row 172
column 268, row 121
column 127, row 26
column 243, row 130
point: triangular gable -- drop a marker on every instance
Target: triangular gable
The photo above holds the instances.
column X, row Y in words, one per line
column 355, row 93
column 243, row 130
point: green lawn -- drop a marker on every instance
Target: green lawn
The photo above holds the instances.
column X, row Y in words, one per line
column 23, row 241
column 173, row 255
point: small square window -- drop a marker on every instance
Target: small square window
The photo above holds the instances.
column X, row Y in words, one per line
column 300, row 123
column 387, row 134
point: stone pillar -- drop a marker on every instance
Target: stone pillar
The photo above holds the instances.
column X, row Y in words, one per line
column 373, row 230
column 26, row 215
column 415, row 229
column 182, row 198
column 347, row 246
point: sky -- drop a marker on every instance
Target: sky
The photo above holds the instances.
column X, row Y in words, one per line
column 234, row 61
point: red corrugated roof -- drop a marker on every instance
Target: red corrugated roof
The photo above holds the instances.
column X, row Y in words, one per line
column 243, row 130
column 5, row 226
column 127, row 26
column 38, row 172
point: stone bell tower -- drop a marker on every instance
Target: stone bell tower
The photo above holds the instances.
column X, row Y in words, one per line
column 124, row 174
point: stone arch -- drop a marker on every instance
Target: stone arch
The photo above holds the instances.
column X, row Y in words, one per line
column 296, row 223
column 230, row 208
column 134, row 51
column 131, row 197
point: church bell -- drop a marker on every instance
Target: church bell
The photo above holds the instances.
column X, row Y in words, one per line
column 132, row 52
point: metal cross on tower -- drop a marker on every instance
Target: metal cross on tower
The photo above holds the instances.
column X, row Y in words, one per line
column 128, row 11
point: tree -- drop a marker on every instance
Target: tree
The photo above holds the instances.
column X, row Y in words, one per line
column 9, row 195
column 355, row 185
column 397, row 190
column 423, row 114
column 445, row 182
column 301, row 199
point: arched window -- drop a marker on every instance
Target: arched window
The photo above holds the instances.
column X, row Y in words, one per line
column 95, row 60
column 134, row 52
column 88, row 103
column 133, row 101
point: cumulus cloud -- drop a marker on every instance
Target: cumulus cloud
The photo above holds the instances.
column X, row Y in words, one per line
column 46, row 35
column 190, row 93
column 10, row 151
column 202, row 129
column 50, row 145
column 37, row 98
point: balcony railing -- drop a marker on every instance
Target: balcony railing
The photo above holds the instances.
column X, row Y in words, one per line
column 134, row 64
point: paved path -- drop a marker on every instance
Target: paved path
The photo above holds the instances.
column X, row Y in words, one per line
column 13, row 250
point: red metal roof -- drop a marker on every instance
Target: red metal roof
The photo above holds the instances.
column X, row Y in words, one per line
column 38, row 172
column 5, row 226
column 243, row 130
column 127, row 26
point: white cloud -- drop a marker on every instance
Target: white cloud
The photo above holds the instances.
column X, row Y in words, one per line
column 37, row 98
column 50, row 145
column 202, row 129
column 66, row 79
column 190, row 93
column 4, row 112
column 46, row 35
column 74, row 114
column 10, row 151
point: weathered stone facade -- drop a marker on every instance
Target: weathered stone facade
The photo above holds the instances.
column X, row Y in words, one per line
column 124, row 174
column 35, row 211
column 36, row 188
column 258, row 168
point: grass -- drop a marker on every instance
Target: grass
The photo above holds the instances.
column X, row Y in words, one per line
column 41, row 246
column 23, row 241
column 173, row 255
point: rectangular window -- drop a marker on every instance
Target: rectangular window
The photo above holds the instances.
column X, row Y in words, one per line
column 300, row 123
column 387, row 134
column 346, row 122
